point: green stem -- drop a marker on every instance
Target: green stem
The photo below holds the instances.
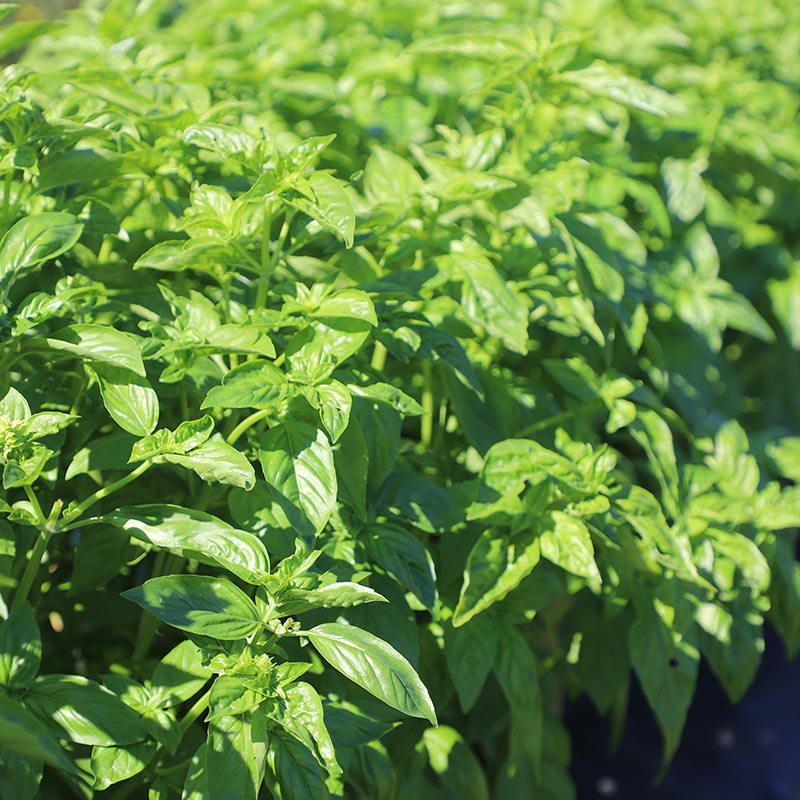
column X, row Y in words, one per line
column 557, row 419
column 32, row 567
column 105, row 491
column 378, row 361
column 426, row 422
column 35, row 560
column 195, row 711
column 246, row 423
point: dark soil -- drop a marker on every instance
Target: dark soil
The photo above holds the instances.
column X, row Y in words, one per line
column 749, row 751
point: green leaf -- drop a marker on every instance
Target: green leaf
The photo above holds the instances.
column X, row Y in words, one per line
column 304, row 709
column 235, row 755
column 497, row 564
column 298, row 466
column 254, row 384
column 109, row 452
column 20, row 648
column 333, row 402
column 216, row 461
column 389, row 179
column 342, row 594
column 603, row 80
column 86, row 712
column 195, row 534
column 375, row 666
column 405, row 558
column 297, row 774
column 207, row 606
column 111, row 765
column 452, row 760
column 569, row 545
column 179, row 675
column 655, row 437
column 14, row 407
column 518, row 675
column 99, row 343
column 34, row 240
column 21, row 733
column 20, row 776
column 330, row 207
column 666, row 665
column 128, row 398
column 24, row 464
column 488, row 297
column 686, row 192
column 470, row 652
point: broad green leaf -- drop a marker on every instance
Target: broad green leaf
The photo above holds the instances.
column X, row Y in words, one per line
column 14, row 407
column 686, row 193
column 216, row 461
column 413, row 497
column 405, row 558
column 345, row 305
column 655, row 437
column 34, row 240
column 342, row 594
column 732, row 643
column 488, row 297
column 20, row 776
column 21, row 733
column 195, row 534
column 455, row 764
column 391, row 396
column 304, row 708
column 497, row 564
column 375, row 666
column 86, row 712
column 207, row 606
column 330, row 206
column 390, row 179
column 180, row 674
column 99, row 343
column 111, row 765
column 351, row 726
column 254, row 384
column 517, row 673
column 20, row 648
column 604, row 80
column 298, row 466
column 333, row 402
column 569, row 545
column 666, row 665
column 112, row 451
column 297, row 775
column 235, row 754
column 128, row 398
column 470, row 652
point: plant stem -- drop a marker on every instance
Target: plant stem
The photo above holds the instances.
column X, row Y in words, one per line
column 195, row 711
column 105, row 491
column 246, row 423
column 556, row 419
column 426, row 421
column 31, row 568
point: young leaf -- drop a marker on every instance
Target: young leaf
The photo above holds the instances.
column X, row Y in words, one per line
column 99, row 343
column 194, row 534
column 497, row 564
column 128, row 398
column 375, row 666
column 298, row 466
column 216, row 461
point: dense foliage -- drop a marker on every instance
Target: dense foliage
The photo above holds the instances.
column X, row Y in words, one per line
column 372, row 365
